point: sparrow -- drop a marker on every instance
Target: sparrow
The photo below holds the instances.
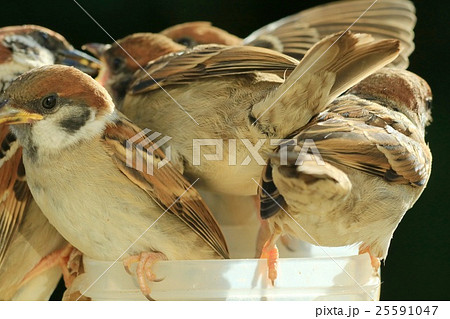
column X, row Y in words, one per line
column 295, row 34
column 122, row 59
column 292, row 35
column 29, row 245
column 75, row 155
column 25, row 47
column 349, row 175
column 247, row 95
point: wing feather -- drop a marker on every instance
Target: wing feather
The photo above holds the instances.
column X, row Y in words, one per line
column 207, row 61
column 14, row 192
column 165, row 185
column 370, row 138
column 390, row 19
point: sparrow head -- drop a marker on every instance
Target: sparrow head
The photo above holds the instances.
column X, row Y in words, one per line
column 25, row 47
column 191, row 34
column 53, row 107
column 400, row 90
column 124, row 57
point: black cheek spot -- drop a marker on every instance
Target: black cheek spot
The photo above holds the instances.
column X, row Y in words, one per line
column 76, row 122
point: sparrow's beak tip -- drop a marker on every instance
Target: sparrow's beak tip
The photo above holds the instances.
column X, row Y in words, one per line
column 10, row 115
column 80, row 60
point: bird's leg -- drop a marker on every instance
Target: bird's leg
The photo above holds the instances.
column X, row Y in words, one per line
column 60, row 258
column 373, row 260
column 145, row 262
column 270, row 252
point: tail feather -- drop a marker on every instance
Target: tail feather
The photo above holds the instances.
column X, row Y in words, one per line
column 329, row 68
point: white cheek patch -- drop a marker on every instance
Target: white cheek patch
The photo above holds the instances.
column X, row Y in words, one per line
column 48, row 135
column 54, row 133
column 27, row 52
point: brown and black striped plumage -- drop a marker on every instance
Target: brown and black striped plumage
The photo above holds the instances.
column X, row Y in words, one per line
column 375, row 165
column 210, row 61
column 14, row 192
column 296, row 34
column 292, row 36
column 106, row 207
column 384, row 19
column 165, row 185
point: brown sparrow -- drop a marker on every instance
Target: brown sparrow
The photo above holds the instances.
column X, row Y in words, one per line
column 295, row 34
column 248, row 95
column 26, row 236
column 25, row 47
column 227, row 90
column 369, row 165
column 75, row 155
column 118, row 67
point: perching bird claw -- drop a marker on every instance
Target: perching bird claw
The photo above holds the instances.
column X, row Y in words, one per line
column 145, row 262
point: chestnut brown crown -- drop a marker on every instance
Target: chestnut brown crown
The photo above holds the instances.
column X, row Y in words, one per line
column 143, row 47
column 63, row 82
column 400, row 90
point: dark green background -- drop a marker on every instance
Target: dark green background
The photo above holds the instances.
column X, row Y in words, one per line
column 418, row 265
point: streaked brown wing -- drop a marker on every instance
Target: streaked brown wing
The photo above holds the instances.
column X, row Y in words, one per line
column 207, row 61
column 390, row 19
column 372, row 139
column 166, row 186
column 14, row 191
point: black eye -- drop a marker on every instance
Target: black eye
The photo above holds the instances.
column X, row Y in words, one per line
column 187, row 42
column 116, row 64
column 49, row 102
